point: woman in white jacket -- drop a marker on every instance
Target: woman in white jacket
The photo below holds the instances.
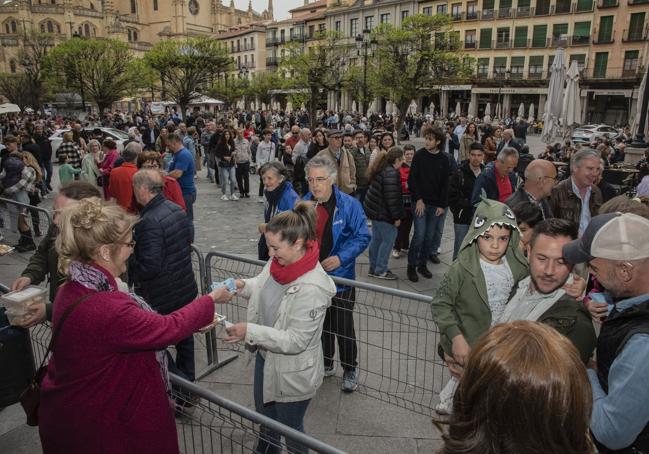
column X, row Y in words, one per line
column 286, row 311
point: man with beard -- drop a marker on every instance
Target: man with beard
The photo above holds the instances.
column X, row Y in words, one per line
column 541, row 296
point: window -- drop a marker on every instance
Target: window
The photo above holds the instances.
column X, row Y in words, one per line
column 238, row 45
column 232, row 46
column 630, row 62
column 311, row 30
column 321, row 27
column 562, row 7
column 133, row 6
column 155, row 5
column 252, row 60
column 456, row 11
column 535, row 70
column 520, row 36
column 12, row 66
column 442, row 9
column 427, row 11
column 601, row 62
column 472, row 10
column 337, row 26
column 483, row 67
column 405, row 13
column 517, row 67
column 636, row 25
column 539, row 33
column 86, row 31
column 50, row 27
column 488, row 4
column 500, row 65
column 559, row 34
column 584, row 5
column 385, row 18
column 542, row 7
column 353, row 27
column 252, row 43
column 469, row 39
column 605, row 32
column 485, row 38
column 502, row 37
column 282, row 36
column 369, row 22
column 580, row 59
column 504, row 8
column 440, row 40
column 581, row 35
column 13, row 26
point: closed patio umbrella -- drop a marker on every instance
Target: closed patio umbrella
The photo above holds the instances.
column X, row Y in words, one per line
column 636, row 120
column 458, row 109
column 554, row 102
column 521, row 111
column 487, row 110
column 531, row 117
column 571, row 109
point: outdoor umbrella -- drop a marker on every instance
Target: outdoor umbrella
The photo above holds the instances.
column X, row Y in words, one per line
column 372, row 108
column 471, row 109
column 9, row 108
column 554, row 102
column 354, row 106
column 499, row 111
column 458, row 109
column 263, row 106
column 521, row 111
column 487, row 110
column 635, row 127
column 431, row 108
column 412, row 108
column 531, row 118
column 571, row 110
column 289, row 107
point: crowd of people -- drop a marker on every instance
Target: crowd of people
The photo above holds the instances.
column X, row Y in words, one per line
column 544, row 252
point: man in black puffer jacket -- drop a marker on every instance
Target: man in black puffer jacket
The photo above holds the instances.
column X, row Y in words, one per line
column 384, row 206
column 160, row 266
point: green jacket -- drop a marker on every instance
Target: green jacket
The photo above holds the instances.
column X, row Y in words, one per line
column 460, row 305
column 44, row 264
column 572, row 319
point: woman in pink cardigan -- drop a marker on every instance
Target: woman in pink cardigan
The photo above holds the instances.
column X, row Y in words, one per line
column 106, row 167
column 107, row 387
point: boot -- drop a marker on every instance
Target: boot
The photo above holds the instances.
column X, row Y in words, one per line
column 412, row 274
column 26, row 242
column 423, row 270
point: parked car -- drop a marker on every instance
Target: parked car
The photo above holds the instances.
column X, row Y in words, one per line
column 588, row 133
column 109, row 133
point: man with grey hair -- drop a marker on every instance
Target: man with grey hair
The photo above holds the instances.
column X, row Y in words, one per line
column 578, row 198
column 499, row 180
column 160, row 267
column 342, row 234
column 509, row 141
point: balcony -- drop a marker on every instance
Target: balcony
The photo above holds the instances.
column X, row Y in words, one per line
column 457, row 16
column 482, row 75
column 561, row 8
column 600, row 38
column 504, row 12
column 488, row 14
column 557, row 42
column 523, row 11
column 539, row 44
column 637, row 2
column 630, row 73
column 130, row 18
column 602, row 4
column 579, row 40
column 298, row 38
column 522, row 43
column 48, row 9
column 503, row 44
column 87, row 12
column 271, row 61
column 634, row 35
column 470, row 44
column 517, row 73
column 472, row 15
column 543, row 10
column 536, row 75
column 613, row 73
column 588, row 8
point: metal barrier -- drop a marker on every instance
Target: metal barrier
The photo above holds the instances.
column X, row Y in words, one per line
column 208, row 423
column 12, row 213
column 396, row 336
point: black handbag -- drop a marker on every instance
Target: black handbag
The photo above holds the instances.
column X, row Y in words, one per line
column 30, row 398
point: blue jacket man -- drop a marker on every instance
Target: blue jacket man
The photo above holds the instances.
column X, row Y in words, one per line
column 342, row 235
column 501, row 169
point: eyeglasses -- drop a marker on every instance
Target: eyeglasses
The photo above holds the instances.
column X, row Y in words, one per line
column 318, row 180
column 130, row 244
column 552, row 178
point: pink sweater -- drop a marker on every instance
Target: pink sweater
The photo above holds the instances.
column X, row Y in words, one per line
column 103, row 391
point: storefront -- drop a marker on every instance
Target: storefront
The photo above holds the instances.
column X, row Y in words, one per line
column 610, row 107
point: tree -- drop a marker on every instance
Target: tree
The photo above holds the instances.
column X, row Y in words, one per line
column 31, row 57
column 261, row 84
column 408, row 62
column 227, row 90
column 319, row 69
column 189, row 66
column 15, row 87
column 102, row 69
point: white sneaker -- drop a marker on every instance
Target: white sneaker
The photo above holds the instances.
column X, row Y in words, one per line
column 234, row 197
column 260, row 200
column 396, row 254
column 225, row 197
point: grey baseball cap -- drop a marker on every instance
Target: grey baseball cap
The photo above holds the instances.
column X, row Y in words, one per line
column 612, row 236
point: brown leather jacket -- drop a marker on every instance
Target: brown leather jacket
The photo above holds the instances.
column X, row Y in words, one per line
column 346, row 169
column 566, row 205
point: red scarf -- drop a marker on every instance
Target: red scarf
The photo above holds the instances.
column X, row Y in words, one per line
column 285, row 274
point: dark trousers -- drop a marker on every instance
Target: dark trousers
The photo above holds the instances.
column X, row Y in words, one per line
column 217, row 178
column 403, row 236
column 339, row 323
column 243, row 177
column 288, row 413
column 183, row 365
column 261, row 186
column 189, row 204
column 47, row 170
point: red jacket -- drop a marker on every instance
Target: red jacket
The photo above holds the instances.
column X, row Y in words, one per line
column 173, row 193
column 103, row 391
column 121, row 186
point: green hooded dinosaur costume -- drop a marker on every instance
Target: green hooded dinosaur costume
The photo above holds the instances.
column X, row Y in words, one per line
column 460, row 305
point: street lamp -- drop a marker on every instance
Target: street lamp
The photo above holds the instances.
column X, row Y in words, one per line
column 365, row 43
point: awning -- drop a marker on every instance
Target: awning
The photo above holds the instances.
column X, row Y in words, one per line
column 9, row 108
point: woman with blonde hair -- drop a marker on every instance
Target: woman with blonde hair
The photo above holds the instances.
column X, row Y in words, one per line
column 107, row 387
column 90, row 163
column 524, row 390
column 70, row 148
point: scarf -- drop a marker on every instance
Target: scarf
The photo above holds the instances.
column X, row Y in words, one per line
column 285, row 274
column 93, row 279
column 272, row 200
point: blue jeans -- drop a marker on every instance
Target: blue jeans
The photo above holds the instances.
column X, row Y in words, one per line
column 288, row 413
column 228, row 178
column 189, row 204
column 383, row 236
column 427, row 236
column 460, row 232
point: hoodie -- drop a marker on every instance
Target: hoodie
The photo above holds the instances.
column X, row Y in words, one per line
column 460, row 305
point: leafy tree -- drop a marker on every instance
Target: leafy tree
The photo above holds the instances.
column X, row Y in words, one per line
column 31, row 57
column 187, row 67
column 408, row 62
column 15, row 87
column 98, row 68
column 228, row 90
column 261, row 84
column 319, row 69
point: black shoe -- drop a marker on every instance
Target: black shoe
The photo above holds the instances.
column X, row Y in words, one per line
column 434, row 259
column 412, row 274
column 421, row 269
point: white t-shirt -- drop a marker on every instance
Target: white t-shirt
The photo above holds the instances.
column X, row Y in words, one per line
column 500, row 281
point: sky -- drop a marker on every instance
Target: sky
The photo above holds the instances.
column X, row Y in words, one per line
column 280, row 7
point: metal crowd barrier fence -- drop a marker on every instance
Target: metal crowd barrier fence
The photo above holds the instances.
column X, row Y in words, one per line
column 396, row 337
column 13, row 213
column 208, row 423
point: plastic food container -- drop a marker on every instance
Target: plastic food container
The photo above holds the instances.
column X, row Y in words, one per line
column 18, row 302
column 16, row 318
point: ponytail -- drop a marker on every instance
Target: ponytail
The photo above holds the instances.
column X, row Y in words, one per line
column 296, row 224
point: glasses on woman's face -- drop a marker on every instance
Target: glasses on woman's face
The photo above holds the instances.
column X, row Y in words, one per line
column 130, row 244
